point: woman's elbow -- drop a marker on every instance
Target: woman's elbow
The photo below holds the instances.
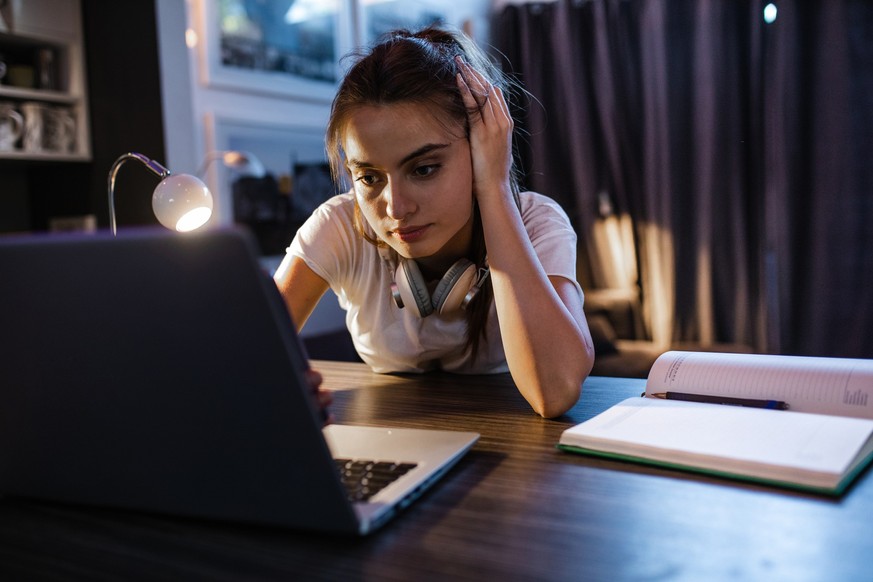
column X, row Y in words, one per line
column 561, row 396
column 564, row 390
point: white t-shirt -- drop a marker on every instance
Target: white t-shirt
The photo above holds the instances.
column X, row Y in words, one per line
column 391, row 339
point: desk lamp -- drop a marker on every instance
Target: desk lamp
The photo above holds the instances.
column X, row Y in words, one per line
column 181, row 202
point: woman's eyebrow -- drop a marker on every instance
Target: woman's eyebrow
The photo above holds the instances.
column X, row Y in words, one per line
column 423, row 150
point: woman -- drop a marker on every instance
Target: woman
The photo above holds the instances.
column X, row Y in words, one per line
column 434, row 222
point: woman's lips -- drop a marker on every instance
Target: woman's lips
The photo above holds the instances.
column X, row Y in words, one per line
column 409, row 234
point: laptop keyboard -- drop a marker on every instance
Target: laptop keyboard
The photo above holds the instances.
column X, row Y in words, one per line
column 364, row 478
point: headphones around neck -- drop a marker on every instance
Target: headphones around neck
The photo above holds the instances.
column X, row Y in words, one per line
column 457, row 288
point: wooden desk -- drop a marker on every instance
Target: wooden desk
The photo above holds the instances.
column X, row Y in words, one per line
column 514, row 508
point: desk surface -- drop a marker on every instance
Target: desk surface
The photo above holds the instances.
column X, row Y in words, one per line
column 514, row 508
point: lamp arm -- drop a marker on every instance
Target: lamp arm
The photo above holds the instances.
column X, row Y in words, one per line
column 152, row 165
column 240, row 162
column 210, row 157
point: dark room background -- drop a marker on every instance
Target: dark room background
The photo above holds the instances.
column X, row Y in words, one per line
column 717, row 166
column 717, row 162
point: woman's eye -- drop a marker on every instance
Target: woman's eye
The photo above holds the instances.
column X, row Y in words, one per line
column 425, row 171
column 366, row 179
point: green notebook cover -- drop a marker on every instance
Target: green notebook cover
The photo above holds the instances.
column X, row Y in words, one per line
column 843, row 485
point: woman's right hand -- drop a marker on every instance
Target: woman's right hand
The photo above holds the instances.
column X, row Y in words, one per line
column 323, row 398
column 491, row 128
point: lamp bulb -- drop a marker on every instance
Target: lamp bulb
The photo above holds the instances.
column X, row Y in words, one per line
column 182, row 202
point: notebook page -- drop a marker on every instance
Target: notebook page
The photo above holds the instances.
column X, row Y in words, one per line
column 837, row 386
column 754, row 442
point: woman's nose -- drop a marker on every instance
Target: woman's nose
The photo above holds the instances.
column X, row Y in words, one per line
column 397, row 204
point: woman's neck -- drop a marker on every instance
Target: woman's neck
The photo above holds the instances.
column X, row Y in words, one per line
column 436, row 265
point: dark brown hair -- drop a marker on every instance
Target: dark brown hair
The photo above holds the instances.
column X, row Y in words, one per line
column 419, row 68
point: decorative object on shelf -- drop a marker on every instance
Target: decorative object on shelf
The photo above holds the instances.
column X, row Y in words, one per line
column 180, row 202
column 243, row 163
column 48, row 128
column 11, row 126
column 45, row 69
column 21, row 76
column 60, row 130
column 34, row 122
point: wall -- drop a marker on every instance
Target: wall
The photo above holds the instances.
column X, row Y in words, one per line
column 191, row 106
column 196, row 109
column 124, row 80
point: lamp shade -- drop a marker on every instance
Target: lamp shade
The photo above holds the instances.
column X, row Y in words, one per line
column 182, row 202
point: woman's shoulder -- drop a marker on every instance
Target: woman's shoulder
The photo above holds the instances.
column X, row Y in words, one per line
column 327, row 241
column 535, row 206
column 332, row 219
column 335, row 214
column 338, row 204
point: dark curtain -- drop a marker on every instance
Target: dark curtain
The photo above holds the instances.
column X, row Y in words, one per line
column 727, row 158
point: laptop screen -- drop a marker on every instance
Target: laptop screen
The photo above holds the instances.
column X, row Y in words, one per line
column 158, row 371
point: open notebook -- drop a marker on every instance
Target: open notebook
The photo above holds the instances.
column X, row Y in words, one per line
column 162, row 373
column 800, row 422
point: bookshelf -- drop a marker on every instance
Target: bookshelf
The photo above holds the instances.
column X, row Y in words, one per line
column 44, row 79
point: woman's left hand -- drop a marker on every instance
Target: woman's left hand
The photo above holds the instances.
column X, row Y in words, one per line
column 490, row 132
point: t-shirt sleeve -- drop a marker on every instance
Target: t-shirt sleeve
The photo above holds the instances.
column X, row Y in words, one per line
column 551, row 234
column 325, row 240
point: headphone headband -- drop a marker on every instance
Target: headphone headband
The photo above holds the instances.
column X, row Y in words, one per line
column 455, row 290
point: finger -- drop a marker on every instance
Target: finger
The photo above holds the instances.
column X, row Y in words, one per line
column 466, row 93
column 475, row 79
column 325, row 398
column 474, row 100
column 481, row 90
column 500, row 107
column 313, row 378
column 475, row 83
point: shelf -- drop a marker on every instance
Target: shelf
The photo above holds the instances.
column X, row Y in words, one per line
column 44, row 157
column 37, row 95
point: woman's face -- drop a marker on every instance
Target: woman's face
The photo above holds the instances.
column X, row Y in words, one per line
column 413, row 180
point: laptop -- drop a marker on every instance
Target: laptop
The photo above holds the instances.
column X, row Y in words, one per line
column 161, row 372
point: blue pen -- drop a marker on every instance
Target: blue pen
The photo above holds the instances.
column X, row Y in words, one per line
column 750, row 402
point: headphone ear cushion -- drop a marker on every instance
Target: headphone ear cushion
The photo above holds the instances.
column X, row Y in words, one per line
column 412, row 288
column 453, row 287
